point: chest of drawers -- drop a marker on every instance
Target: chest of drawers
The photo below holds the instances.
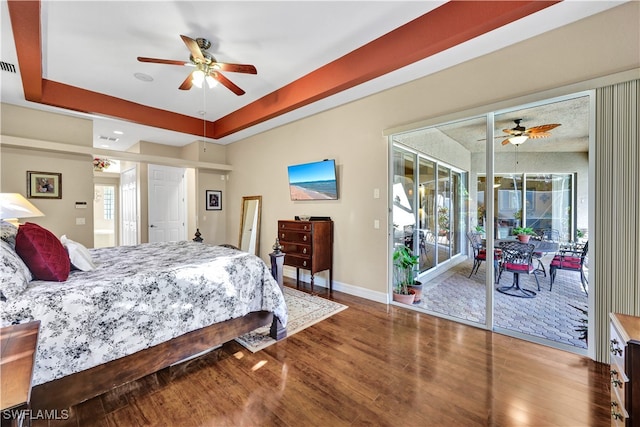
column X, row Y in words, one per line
column 624, row 348
column 307, row 245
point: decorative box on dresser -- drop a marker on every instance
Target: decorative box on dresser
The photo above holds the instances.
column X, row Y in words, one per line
column 625, row 370
column 307, row 245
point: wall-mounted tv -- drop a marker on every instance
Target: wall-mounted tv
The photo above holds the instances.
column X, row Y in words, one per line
column 313, row 181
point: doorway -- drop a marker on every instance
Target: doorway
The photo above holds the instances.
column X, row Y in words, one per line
column 105, row 215
column 491, row 185
column 167, row 204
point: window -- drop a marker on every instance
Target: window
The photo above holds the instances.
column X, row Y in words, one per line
column 109, row 202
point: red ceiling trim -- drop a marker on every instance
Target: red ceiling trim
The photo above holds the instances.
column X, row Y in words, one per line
column 77, row 99
column 25, row 22
column 452, row 23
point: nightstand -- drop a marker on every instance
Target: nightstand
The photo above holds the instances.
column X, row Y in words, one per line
column 18, row 345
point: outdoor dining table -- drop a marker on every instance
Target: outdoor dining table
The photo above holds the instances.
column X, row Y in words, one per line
column 541, row 246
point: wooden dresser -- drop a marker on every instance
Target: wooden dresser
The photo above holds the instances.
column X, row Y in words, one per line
column 624, row 350
column 18, row 345
column 307, row 245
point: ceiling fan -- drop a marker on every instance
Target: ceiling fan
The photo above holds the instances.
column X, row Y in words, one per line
column 519, row 134
column 207, row 67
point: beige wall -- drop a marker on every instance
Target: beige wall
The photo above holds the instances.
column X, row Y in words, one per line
column 353, row 134
column 77, row 186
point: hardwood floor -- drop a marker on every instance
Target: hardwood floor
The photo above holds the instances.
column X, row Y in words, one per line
column 371, row 364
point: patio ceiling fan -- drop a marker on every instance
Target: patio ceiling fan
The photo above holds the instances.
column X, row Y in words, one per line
column 519, row 134
column 207, row 67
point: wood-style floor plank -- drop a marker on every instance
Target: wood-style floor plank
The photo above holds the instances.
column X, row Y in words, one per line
column 371, row 364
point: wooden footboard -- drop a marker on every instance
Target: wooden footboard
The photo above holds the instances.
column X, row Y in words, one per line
column 75, row 388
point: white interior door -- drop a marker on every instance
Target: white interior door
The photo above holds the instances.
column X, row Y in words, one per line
column 167, row 204
column 129, row 207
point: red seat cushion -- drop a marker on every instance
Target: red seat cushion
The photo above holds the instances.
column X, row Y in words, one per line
column 567, row 262
column 43, row 253
column 510, row 266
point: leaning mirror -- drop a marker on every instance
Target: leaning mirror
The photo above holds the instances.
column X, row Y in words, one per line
column 250, row 224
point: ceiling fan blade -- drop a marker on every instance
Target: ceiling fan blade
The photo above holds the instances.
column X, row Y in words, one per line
column 542, row 128
column 228, row 83
column 505, row 142
column 162, row 61
column 235, row 68
column 512, row 132
column 187, row 83
column 193, row 47
column 538, row 135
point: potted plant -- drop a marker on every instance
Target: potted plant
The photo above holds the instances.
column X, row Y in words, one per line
column 523, row 233
column 480, row 230
column 403, row 264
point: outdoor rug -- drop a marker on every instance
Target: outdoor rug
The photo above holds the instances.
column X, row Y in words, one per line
column 304, row 310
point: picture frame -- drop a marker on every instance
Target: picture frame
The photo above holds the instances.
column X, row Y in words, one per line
column 44, row 185
column 213, row 200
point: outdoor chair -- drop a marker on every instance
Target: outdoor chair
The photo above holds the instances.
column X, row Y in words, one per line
column 517, row 259
column 480, row 253
column 571, row 259
column 549, row 235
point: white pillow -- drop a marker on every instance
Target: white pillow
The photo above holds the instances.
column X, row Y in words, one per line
column 78, row 255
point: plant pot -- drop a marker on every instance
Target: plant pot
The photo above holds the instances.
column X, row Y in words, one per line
column 417, row 289
column 524, row 238
column 404, row 299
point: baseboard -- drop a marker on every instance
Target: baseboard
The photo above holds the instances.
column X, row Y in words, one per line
column 321, row 281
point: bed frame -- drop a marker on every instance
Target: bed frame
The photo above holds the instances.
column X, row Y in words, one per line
column 75, row 388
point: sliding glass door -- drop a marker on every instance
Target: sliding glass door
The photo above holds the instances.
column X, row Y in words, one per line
column 453, row 183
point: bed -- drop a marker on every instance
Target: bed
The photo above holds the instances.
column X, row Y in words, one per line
column 142, row 308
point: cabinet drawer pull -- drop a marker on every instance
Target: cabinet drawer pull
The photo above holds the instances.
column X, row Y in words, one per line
column 282, row 236
column 614, row 373
column 306, row 228
column 304, row 263
column 304, row 251
column 614, row 349
column 616, row 383
column 304, row 237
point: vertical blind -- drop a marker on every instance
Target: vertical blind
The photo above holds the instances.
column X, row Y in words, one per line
column 615, row 273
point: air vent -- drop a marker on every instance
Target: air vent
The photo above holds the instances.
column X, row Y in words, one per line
column 108, row 138
column 7, row 67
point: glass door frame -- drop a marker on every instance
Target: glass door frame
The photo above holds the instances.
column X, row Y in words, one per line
column 490, row 162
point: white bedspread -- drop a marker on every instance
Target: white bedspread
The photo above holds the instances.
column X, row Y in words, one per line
column 140, row 296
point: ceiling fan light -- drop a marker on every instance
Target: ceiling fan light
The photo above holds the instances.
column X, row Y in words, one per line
column 197, row 77
column 517, row 140
column 211, row 82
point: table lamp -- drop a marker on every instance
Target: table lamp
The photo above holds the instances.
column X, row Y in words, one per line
column 14, row 206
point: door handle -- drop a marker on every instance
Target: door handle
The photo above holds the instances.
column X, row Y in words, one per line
column 151, row 226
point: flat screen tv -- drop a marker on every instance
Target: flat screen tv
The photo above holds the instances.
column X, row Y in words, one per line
column 313, row 181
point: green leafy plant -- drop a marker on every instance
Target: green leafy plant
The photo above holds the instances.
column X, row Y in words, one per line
column 403, row 264
column 523, row 230
column 479, row 229
column 583, row 323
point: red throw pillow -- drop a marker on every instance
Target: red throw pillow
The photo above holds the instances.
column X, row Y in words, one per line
column 43, row 253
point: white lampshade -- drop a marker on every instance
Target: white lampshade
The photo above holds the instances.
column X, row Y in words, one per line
column 211, row 82
column 197, row 77
column 14, row 205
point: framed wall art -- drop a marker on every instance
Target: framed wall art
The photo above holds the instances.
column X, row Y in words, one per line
column 44, row 185
column 214, row 200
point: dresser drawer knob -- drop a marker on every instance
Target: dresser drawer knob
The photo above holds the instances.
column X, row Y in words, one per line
column 304, row 237
column 282, row 236
column 616, row 383
column 306, row 228
column 304, row 251
column 614, row 373
column 614, row 349
column 616, row 415
column 304, row 263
